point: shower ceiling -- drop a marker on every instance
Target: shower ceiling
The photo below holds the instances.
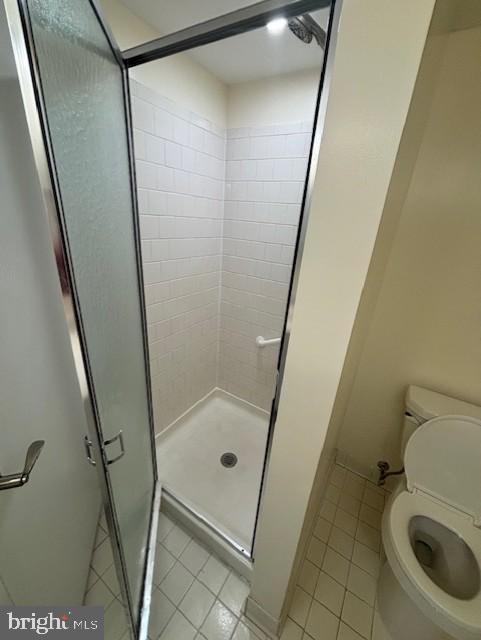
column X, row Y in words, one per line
column 252, row 56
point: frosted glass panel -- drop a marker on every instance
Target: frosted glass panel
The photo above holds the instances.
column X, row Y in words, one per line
column 83, row 92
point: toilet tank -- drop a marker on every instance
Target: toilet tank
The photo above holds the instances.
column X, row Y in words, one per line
column 422, row 405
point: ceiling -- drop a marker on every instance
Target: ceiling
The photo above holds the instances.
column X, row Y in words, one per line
column 250, row 56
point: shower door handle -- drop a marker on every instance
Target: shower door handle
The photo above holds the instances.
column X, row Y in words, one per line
column 88, row 449
column 15, row 480
column 120, row 438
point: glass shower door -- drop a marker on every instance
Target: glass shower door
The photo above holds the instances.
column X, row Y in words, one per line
column 82, row 122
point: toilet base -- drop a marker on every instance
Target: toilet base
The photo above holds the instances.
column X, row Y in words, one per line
column 401, row 617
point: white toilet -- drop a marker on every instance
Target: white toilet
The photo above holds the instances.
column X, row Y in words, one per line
column 430, row 586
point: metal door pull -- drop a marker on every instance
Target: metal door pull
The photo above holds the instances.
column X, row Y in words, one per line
column 120, row 438
column 15, row 480
column 88, row 449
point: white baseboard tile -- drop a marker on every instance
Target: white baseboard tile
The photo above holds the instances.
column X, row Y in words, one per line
column 262, row 619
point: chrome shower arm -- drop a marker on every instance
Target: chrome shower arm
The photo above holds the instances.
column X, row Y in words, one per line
column 315, row 28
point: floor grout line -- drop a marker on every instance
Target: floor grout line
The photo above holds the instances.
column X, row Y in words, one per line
column 346, row 493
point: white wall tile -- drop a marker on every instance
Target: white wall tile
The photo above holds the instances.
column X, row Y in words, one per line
column 217, row 255
column 143, row 115
column 154, row 149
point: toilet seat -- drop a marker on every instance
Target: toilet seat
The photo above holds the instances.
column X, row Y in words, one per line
column 442, row 459
column 459, row 618
column 443, row 483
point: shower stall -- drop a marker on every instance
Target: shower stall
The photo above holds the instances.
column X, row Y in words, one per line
column 219, row 225
column 176, row 242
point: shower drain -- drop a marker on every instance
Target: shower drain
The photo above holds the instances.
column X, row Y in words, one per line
column 228, row 460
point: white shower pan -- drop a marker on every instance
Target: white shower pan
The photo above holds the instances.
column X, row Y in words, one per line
column 200, row 490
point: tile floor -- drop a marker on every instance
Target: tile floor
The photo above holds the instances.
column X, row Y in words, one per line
column 197, row 597
column 194, row 595
column 103, row 588
column 336, row 589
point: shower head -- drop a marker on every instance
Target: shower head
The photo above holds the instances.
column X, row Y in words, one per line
column 305, row 28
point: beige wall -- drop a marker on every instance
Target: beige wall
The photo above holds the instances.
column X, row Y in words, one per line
column 278, row 100
column 366, row 112
column 179, row 77
column 424, row 327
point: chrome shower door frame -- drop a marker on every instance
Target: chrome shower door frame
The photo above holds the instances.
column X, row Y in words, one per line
column 37, row 121
column 229, row 25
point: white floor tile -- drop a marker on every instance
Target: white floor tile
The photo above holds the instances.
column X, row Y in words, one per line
column 346, row 633
column 357, row 614
column 176, row 584
column 308, row 577
column 178, row 629
column 366, row 558
column 176, row 541
column 338, row 476
column 234, row 593
column 349, row 504
column 300, row 606
column 348, row 538
column 328, row 511
column 213, row 574
column 370, row 516
column 322, row 529
column 197, row 603
column 333, row 493
column 316, row 551
column 369, row 536
column 194, row 557
column 342, row 553
column 243, row 632
column 354, row 485
column 362, row 584
column 258, row 633
column 110, row 579
column 291, row 631
column 100, row 536
column 164, row 561
column 161, row 611
column 165, row 527
column 103, row 521
column 330, row 593
column 341, row 542
column 220, row 623
column 91, row 580
column 321, row 623
column 99, row 595
column 345, row 521
column 102, row 557
column 336, row 566
column 115, row 622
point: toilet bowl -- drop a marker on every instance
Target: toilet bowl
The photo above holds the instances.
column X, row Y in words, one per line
column 430, row 586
